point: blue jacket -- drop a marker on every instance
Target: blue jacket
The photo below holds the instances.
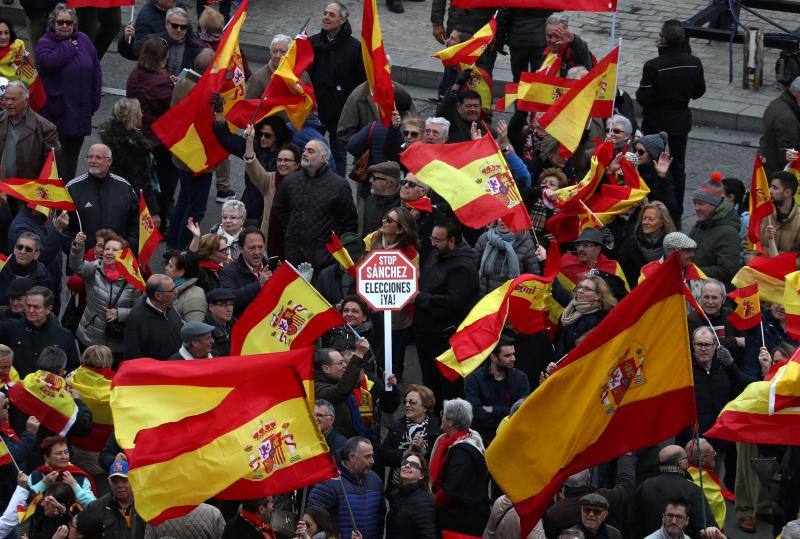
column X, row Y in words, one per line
column 482, row 389
column 366, row 501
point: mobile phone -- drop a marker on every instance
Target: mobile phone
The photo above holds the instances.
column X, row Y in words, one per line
column 273, row 262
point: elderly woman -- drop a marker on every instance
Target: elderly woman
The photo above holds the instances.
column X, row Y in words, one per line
column 57, row 468
column 458, row 473
column 591, row 302
column 132, row 151
column 109, row 297
column 411, row 513
column 267, row 184
column 233, row 216
column 504, row 254
column 646, row 243
column 620, row 133
column 416, row 430
column 70, row 70
column 213, row 251
column 402, row 134
column 190, row 300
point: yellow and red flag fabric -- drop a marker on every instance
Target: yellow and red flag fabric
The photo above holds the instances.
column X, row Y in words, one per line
column 606, row 397
column 715, row 492
column 94, row 385
column 16, row 63
column 127, row 264
column 47, row 190
column 791, row 304
column 99, row 3
column 761, row 205
column 770, row 274
column 480, row 81
column 5, row 455
column 522, row 301
column 690, row 272
column 186, row 129
column 287, row 314
column 149, row 235
column 3, row 260
column 26, row 512
column 468, row 52
column 473, row 178
column 573, row 270
column 535, row 92
column 570, row 195
column 748, row 307
column 376, row 63
column 765, row 412
column 551, row 64
column 285, row 92
column 231, row 428
column 422, row 204
column 566, row 119
column 340, row 254
column 574, row 5
column 44, row 395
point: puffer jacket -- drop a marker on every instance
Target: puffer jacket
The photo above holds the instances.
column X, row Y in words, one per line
column 191, row 301
column 718, row 252
column 526, row 253
column 99, row 295
column 366, row 500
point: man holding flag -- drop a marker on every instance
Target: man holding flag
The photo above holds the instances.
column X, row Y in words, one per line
column 783, row 225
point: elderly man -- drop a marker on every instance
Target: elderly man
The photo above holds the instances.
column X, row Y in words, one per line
column 569, row 48
column 716, row 232
column 183, row 48
column 116, row 509
column 336, row 71
column 220, row 315
column 712, row 301
column 259, row 80
column 437, row 130
column 594, row 511
column 26, row 138
column 678, row 241
column 153, row 327
column 103, row 199
column 781, row 123
column 335, row 380
column 16, row 292
column 669, row 82
column 384, row 180
column 198, row 340
column 325, row 415
column 23, row 263
column 587, row 257
column 245, row 276
column 361, row 485
column 312, row 202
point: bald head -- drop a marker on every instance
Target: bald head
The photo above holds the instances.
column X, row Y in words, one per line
column 98, row 160
column 672, row 455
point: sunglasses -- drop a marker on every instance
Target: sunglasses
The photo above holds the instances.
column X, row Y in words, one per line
column 593, row 510
column 411, row 402
column 411, row 464
column 640, row 152
column 411, row 134
column 390, row 220
column 617, row 131
column 266, row 134
column 407, row 183
column 176, row 26
column 64, row 23
column 224, row 250
column 24, row 248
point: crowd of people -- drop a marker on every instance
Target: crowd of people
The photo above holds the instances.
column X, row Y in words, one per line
column 411, row 457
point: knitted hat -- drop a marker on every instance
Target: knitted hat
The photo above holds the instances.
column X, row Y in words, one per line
column 654, row 144
column 387, row 169
column 675, row 241
column 710, row 192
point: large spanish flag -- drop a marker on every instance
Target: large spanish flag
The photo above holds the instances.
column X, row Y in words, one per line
column 522, row 301
column 376, row 63
column 748, row 307
column 287, row 314
column 574, row 5
column 186, row 129
column 606, row 397
column 149, row 235
column 469, row 51
column 769, row 273
column 94, row 385
column 761, row 205
column 44, row 395
column 47, row 191
column 754, row 417
column 473, row 178
column 285, row 91
column 127, row 264
column 232, row 428
column 566, row 119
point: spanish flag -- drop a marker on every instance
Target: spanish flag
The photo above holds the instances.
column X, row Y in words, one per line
column 748, row 307
column 535, row 92
column 21, row 60
column 186, row 129
column 522, row 301
column 422, row 204
column 690, row 272
column 99, row 3
column 761, row 205
column 340, row 254
column 44, row 395
column 754, row 417
column 791, row 303
column 606, row 398
column 468, row 52
column 716, row 494
column 26, row 512
column 13, row 375
column 232, row 428
column 47, row 190
column 376, row 64
column 285, row 91
column 473, row 178
column 769, row 273
column 94, row 385
column 551, row 63
column 570, row 195
column 126, row 263
column 3, row 260
column 573, row 270
column 287, row 314
column 566, row 119
column 574, row 5
column 149, row 235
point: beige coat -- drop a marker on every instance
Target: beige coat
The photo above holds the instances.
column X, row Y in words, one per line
column 191, row 301
column 265, row 183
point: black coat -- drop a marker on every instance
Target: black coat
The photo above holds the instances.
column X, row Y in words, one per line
column 150, row 333
column 661, row 189
column 108, row 202
column 647, row 505
column 668, row 83
column 132, row 156
column 467, row 20
column 19, row 450
column 245, row 286
column 114, row 525
column 37, row 273
column 27, row 342
column 337, row 393
column 411, row 514
column 630, row 255
column 239, row 528
column 569, row 335
column 336, row 71
column 334, row 284
column 522, row 28
column 465, row 480
column 713, row 389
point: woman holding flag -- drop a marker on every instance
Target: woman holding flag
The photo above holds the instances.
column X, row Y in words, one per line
column 592, row 301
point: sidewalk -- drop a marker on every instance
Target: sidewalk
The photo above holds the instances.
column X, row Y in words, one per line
column 409, row 42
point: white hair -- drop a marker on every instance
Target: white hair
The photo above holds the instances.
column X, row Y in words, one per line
column 622, row 122
column 438, row 120
column 557, row 18
column 19, row 84
column 577, row 72
column 325, row 148
column 176, row 11
column 792, row 529
column 794, row 87
column 280, row 38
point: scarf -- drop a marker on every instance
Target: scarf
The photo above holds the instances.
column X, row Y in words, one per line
column 112, row 273
column 180, row 281
column 405, row 442
column 423, row 205
column 576, row 309
column 257, row 523
column 209, row 265
column 437, row 463
column 71, row 468
column 6, row 429
column 651, row 247
column 497, row 242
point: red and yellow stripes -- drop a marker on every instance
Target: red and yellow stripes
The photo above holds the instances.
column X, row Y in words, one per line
column 376, row 64
column 769, row 273
column 761, row 205
column 748, row 307
column 47, row 191
column 469, row 51
column 94, row 385
column 44, row 395
column 149, row 235
column 127, row 264
column 340, row 254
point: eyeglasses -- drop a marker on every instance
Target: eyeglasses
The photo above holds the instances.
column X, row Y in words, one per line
column 592, row 510
column 640, row 151
column 414, row 134
column 170, row 291
column 617, row 131
column 673, row 516
column 704, row 344
column 411, row 402
column 25, row 248
column 176, row 26
column 408, row 183
column 282, row 160
column 389, row 220
column 379, row 178
column 585, row 288
column 224, row 250
column 63, row 22
column 266, row 134
column 411, row 464
column 231, row 217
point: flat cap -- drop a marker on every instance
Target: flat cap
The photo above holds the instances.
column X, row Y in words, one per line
column 675, row 241
column 191, row 331
column 218, row 295
column 594, row 500
column 387, row 169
